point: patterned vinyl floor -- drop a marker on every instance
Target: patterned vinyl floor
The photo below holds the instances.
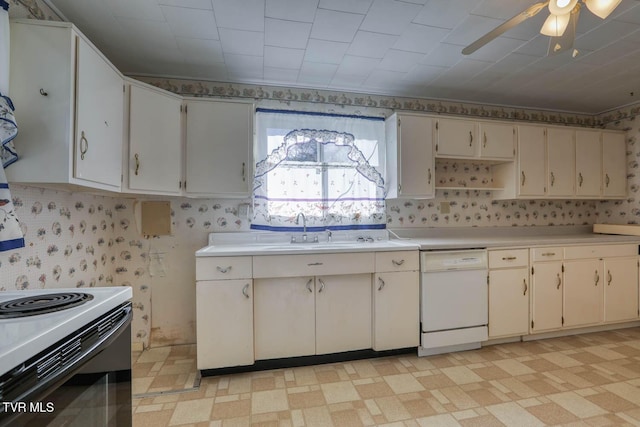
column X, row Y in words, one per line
column 585, row 380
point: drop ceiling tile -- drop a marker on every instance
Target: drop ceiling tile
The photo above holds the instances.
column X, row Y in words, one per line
column 280, row 75
column 631, row 14
column 316, row 73
column 399, row 60
column 194, row 23
column 325, row 51
column 444, row 14
column 148, row 33
column 240, row 14
column 241, row 42
column 420, row 38
column 335, row 26
column 423, row 74
column 353, row 6
column 497, row 49
column 471, row 28
column 384, row 79
column 609, row 53
column 289, row 34
column 535, row 47
column 389, row 16
column 292, row 10
column 200, row 51
column 191, row 4
column 357, row 65
column 215, row 71
column 444, row 55
column 371, row 45
column 280, row 57
column 605, row 34
column 513, row 62
column 342, row 80
column 461, row 72
column 141, row 9
column 244, row 66
column 501, row 9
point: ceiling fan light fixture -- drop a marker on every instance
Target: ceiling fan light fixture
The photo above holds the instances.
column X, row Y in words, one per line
column 602, row 8
column 563, row 7
column 555, row 25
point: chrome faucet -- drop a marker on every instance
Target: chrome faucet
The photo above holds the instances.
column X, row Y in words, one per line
column 304, row 225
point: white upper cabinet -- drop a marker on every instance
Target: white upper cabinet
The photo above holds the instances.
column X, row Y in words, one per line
column 219, row 148
column 588, row 163
column 531, row 161
column 456, row 138
column 154, row 155
column 497, row 141
column 71, row 105
column 410, row 162
column 614, row 165
column 561, row 162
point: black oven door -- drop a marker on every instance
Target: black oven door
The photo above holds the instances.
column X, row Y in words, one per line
column 94, row 391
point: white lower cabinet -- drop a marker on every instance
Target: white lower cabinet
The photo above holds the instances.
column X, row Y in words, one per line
column 583, row 292
column 343, row 313
column 284, row 315
column 224, row 329
column 621, row 289
column 508, row 302
column 546, row 296
column 396, row 322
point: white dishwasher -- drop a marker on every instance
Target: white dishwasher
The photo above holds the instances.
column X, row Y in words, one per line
column 453, row 300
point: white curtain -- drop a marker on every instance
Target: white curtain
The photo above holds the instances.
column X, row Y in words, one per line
column 10, row 233
column 325, row 166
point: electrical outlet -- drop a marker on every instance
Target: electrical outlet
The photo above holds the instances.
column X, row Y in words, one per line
column 445, row 208
column 243, row 210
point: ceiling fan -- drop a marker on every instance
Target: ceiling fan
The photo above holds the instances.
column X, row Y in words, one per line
column 560, row 25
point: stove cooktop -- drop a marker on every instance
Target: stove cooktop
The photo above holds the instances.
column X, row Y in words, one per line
column 22, row 337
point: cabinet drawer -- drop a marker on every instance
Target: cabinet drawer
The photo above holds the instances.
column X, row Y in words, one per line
column 509, row 258
column 546, row 254
column 397, row 261
column 600, row 251
column 221, row 268
column 312, row 264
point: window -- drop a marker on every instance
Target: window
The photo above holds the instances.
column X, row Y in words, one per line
column 326, row 166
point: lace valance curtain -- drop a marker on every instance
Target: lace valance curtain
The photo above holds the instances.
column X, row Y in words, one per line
column 328, row 167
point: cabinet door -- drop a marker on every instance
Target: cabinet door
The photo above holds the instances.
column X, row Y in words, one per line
column 456, row 138
column 561, row 161
column 99, row 118
column 154, row 141
column 497, row 141
column 583, row 292
column 588, row 163
column 508, row 302
column 284, row 313
column 614, row 165
column 396, row 315
column 343, row 313
column 415, row 157
column 531, row 161
column 621, row 289
column 224, row 328
column 218, row 148
column 546, row 296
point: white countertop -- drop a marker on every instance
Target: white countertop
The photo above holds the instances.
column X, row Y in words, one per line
column 251, row 244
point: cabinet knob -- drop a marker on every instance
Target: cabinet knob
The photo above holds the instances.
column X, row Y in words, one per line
column 43, row 92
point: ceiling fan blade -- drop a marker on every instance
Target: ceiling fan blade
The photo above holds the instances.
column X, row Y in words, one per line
column 564, row 42
column 530, row 12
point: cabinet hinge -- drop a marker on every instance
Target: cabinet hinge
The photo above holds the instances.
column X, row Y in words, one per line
column 179, row 184
column 532, row 324
column 532, row 270
column 487, row 279
column 185, row 183
column 399, row 122
column 563, row 320
column 399, row 188
column 436, row 148
column 436, row 125
column 563, row 267
column 186, row 110
column 121, row 178
column 123, row 88
column 181, row 108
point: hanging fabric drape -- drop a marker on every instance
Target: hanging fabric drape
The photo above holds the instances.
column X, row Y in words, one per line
column 10, row 232
column 328, row 167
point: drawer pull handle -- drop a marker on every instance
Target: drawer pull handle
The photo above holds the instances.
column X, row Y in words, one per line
column 245, row 290
column 429, row 176
column 597, row 278
column 525, row 286
column 309, row 285
column 223, row 270
column 137, row 164
column 470, row 139
column 244, row 173
column 553, row 179
column 580, row 179
column 484, row 144
column 397, row 263
column 523, row 178
column 508, row 258
column 381, row 283
column 549, row 254
column 559, row 281
column 609, row 278
column 607, row 180
column 321, row 285
column 84, row 145
column 314, row 263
